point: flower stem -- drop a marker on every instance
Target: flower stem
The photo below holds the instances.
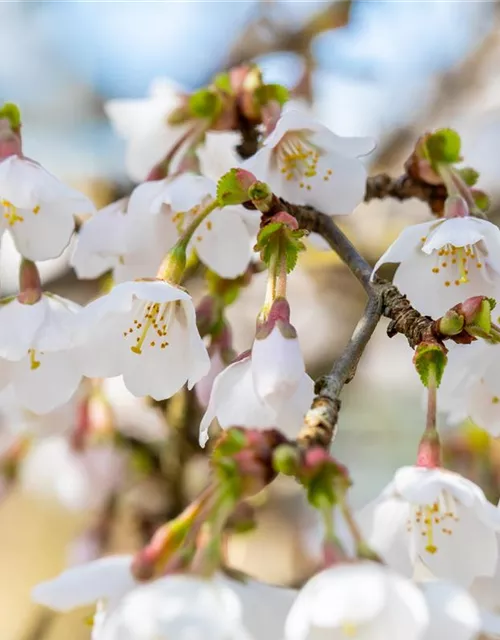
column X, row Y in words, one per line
column 277, row 274
column 429, row 449
column 173, row 266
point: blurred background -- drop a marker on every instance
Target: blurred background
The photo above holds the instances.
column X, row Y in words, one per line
column 391, row 70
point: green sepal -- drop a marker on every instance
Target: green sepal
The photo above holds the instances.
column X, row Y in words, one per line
column 443, row 147
column 230, row 189
column 275, row 236
column 430, row 361
column 481, row 199
column 11, row 112
column 205, row 103
column 272, row 92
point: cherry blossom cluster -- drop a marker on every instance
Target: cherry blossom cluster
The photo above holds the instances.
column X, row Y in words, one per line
column 225, row 178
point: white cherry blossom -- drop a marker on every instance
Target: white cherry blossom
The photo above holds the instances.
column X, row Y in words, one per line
column 471, row 386
column 37, row 209
column 234, row 401
column 37, row 352
column 437, row 518
column 306, row 163
column 364, row 600
column 176, row 606
column 145, row 331
column 144, row 125
column 160, row 211
column 445, row 262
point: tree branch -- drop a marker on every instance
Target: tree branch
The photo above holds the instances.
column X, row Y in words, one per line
column 405, row 187
column 321, row 420
column 384, row 299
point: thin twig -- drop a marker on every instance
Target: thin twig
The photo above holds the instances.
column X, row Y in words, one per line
column 321, row 420
column 384, row 299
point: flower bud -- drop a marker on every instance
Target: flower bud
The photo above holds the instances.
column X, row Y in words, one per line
column 261, row 196
column 286, row 459
column 451, row 324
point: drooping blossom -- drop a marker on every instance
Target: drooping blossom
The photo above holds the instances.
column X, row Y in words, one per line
column 145, row 331
column 444, row 262
column 306, row 163
column 37, row 209
column 268, row 387
column 430, row 516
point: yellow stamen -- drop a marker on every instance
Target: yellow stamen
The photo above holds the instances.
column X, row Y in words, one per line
column 34, row 363
column 140, row 341
column 349, row 629
column 10, row 213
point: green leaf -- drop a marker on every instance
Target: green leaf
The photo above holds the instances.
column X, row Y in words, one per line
column 231, row 189
column 223, row 82
column 469, row 175
column 481, row 199
column 430, row 361
column 443, row 146
column 265, row 234
column 268, row 92
column 11, row 112
column 205, row 103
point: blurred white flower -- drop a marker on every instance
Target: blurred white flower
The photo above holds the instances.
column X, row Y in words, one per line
column 453, row 613
column 445, row 262
column 79, row 480
column 364, row 600
column 145, row 331
column 38, row 210
column 306, row 163
column 176, row 606
column 144, row 124
column 431, row 516
column 37, row 355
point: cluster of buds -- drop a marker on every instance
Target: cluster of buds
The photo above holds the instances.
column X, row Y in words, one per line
column 432, row 164
column 469, row 320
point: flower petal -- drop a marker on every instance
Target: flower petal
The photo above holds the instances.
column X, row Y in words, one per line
column 277, row 368
column 459, row 232
column 383, row 523
column 222, row 243
column 52, row 383
column 290, row 418
column 158, row 372
column 19, row 326
column 405, row 246
column 234, row 402
column 45, row 234
column 453, row 612
column 85, row 584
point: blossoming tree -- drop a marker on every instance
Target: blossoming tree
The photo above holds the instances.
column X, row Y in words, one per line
column 421, row 561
